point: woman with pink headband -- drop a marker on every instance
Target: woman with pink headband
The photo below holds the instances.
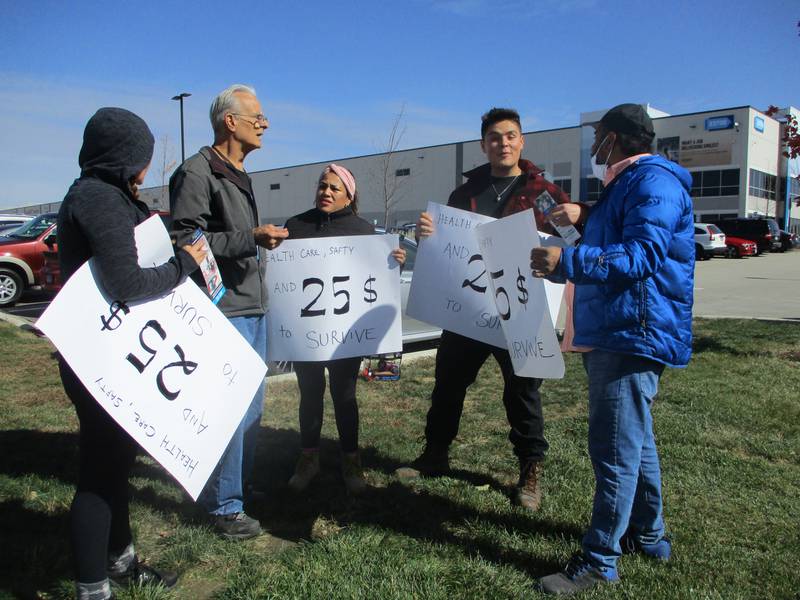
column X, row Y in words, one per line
column 335, row 213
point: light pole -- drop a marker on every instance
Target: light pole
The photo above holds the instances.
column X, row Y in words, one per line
column 180, row 98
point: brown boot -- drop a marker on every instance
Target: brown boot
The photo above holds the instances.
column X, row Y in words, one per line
column 528, row 493
column 305, row 470
column 352, row 473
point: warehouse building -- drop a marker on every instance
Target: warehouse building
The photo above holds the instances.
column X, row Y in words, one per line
column 734, row 155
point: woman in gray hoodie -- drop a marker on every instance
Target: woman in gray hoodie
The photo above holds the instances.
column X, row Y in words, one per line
column 96, row 220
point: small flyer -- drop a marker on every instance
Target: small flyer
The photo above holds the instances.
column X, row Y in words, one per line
column 209, row 269
column 545, row 202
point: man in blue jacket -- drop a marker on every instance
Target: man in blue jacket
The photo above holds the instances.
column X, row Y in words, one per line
column 634, row 274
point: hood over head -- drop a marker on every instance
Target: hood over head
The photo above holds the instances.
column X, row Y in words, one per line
column 117, row 145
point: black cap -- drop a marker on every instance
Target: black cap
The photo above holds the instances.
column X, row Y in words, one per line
column 630, row 119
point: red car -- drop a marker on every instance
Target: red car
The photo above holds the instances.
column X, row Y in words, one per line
column 21, row 256
column 740, row 247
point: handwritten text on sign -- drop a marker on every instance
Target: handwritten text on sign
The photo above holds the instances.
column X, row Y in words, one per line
column 451, row 286
column 522, row 300
column 334, row 297
column 156, row 366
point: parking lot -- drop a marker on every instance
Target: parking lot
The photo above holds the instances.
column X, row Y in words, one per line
column 766, row 287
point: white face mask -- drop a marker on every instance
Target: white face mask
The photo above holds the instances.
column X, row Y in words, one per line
column 600, row 171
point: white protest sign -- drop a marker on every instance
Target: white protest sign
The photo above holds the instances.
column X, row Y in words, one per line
column 450, row 285
column 333, row 297
column 172, row 371
column 522, row 300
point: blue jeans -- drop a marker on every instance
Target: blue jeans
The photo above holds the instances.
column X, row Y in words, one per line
column 224, row 492
column 623, row 452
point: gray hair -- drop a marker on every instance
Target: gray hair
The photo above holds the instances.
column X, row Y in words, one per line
column 225, row 103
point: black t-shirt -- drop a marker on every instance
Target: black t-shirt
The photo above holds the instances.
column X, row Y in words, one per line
column 486, row 202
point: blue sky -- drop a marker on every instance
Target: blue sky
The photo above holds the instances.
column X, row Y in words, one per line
column 332, row 76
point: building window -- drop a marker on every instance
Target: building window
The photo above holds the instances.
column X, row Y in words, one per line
column 762, row 185
column 723, row 182
column 402, row 172
column 794, row 189
column 274, row 186
column 564, row 184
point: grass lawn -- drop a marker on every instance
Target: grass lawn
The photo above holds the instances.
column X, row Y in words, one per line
column 728, row 430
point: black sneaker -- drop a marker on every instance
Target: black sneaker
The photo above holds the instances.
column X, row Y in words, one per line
column 140, row 574
column 579, row 575
column 433, row 461
column 237, row 526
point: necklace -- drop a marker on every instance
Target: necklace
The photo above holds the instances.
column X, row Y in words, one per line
column 500, row 194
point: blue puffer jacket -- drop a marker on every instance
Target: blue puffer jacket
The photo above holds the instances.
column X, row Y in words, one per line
column 634, row 268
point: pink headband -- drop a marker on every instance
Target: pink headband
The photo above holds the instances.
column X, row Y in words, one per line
column 346, row 176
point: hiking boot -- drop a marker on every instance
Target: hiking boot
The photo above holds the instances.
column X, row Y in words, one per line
column 528, row 492
column 237, row 526
column 577, row 576
column 305, row 470
column 659, row 550
column 433, row 462
column 140, row 574
column 352, row 473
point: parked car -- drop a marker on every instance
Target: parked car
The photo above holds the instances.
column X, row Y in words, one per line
column 763, row 231
column 7, row 229
column 50, row 275
column 740, row 247
column 708, row 241
column 21, row 256
column 788, row 240
column 14, row 220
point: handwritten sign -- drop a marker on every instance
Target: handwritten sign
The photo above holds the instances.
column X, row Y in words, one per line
column 334, row 297
column 171, row 370
column 522, row 301
column 450, row 282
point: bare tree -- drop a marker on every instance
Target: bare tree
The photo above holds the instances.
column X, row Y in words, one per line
column 390, row 180
column 166, row 164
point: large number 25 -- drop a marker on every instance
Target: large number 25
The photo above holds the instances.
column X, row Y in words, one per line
column 187, row 365
column 307, row 311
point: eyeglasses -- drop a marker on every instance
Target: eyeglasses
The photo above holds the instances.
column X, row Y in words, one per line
column 260, row 119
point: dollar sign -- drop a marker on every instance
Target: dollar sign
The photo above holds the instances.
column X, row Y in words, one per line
column 523, row 291
column 370, row 294
column 114, row 316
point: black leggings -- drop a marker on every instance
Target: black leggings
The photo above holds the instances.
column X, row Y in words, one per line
column 99, row 520
column 343, row 374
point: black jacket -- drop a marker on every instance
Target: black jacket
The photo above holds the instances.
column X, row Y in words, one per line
column 98, row 214
column 315, row 223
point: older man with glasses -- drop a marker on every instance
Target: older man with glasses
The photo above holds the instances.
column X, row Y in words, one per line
column 212, row 192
